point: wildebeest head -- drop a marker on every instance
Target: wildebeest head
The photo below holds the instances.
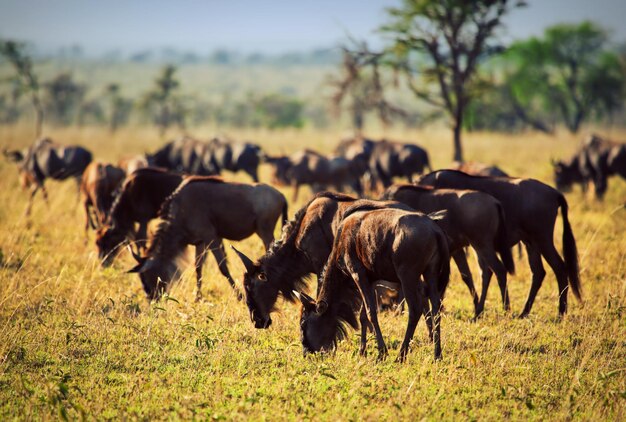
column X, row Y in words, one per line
column 259, row 292
column 109, row 239
column 280, row 174
column 565, row 175
column 321, row 325
column 155, row 275
column 13, row 156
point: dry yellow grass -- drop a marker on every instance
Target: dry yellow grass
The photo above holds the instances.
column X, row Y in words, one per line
column 79, row 340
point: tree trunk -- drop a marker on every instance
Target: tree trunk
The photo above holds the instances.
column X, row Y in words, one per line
column 458, row 126
column 38, row 116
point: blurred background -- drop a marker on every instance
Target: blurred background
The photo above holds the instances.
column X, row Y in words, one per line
column 547, row 65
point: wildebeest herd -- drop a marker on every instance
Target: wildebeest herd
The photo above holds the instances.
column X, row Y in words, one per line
column 405, row 238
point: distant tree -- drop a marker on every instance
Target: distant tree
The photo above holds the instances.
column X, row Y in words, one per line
column 63, row 98
column 90, row 112
column 163, row 104
column 15, row 53
column 276, row 111
column 569, row 70
column 9, row 102
column 361, row 86
column 118, row 108
column 450, row 37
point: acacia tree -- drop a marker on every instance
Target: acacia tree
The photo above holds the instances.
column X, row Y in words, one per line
column 451, row 36
column 163, row 104
column 568, row 73
column 118, row 107
column 15, row 53
column 361, row 86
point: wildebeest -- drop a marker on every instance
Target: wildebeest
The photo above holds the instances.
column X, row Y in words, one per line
column 201, row 212
column 394, row 159
column 48, row 160
column 97, row 188
column 472, row 218
column 312, row 168
column 186, row 155
column 303, row 249
column 530, row 209
column 138, row 202
column 390, row 244
column 235, row 156
column 357, row 150
column 596, row 161
column 478, row 169
column 130, row 164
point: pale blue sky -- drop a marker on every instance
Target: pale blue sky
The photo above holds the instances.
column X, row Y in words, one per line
column 247, row 25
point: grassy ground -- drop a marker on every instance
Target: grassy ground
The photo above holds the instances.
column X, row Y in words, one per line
column 79, row 340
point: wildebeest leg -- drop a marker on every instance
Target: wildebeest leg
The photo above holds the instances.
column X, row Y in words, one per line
column 253, row 174
column 558, row 266
column 31, row 199
column 217, row 248
column 44, row 191
column 265, row 230
column 201, row 251
column 486, row 274
column 536, row 266
column 369, row 301
column 490, row 259
column 88, row 220
column 365, row 324
column 461, row 263
column 431, row 278
column 296, row 186
column 413, row 293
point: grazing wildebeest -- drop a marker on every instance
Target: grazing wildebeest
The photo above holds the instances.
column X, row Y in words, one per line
column 474, row 219
column 48, row 160
column 358, row 151
column 394, row 159
column 97, row 188
column 201, row 212
column 596, row 161
column 478, row 169
column 138, row 202
column 530, row 209
column 130, row 164
column 235, row 156
column 390, row 244
column 312, row 168
column 303, row 249
column 186, row 155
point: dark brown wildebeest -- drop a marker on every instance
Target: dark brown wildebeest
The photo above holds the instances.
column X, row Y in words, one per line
column 394, row 159
column 474, row 219
column 48, row 160
column 97, row 188
column 185, row 155
column 130, row 164
column 138, row 202
column 234, row 156
column 530, row 209
column 312, row 168
column 357, row 150
column 390, row 244
column 478, row 169
column 596, row 161
column 201, row 212
column 303, row 249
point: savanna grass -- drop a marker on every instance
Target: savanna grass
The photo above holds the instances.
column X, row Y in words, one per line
column 76, row 339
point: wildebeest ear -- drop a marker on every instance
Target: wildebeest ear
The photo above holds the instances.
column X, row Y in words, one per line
column 247, row 262
column 307, row 301
column 136, row 268
column 438, row 215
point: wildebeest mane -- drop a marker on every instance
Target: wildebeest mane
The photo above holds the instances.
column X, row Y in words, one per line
column 292, row 277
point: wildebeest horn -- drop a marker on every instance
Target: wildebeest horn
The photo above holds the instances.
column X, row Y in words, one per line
column 135, row 255
column 438, row 215
column 247, row 262
column 306, row 300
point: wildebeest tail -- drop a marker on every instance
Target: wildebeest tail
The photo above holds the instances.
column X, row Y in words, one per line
column 502, row 243
column 285, row 214
column 444, row 262
column 570, row 252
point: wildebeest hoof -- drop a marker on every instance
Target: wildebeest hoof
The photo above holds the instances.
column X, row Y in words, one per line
column 523, row 315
